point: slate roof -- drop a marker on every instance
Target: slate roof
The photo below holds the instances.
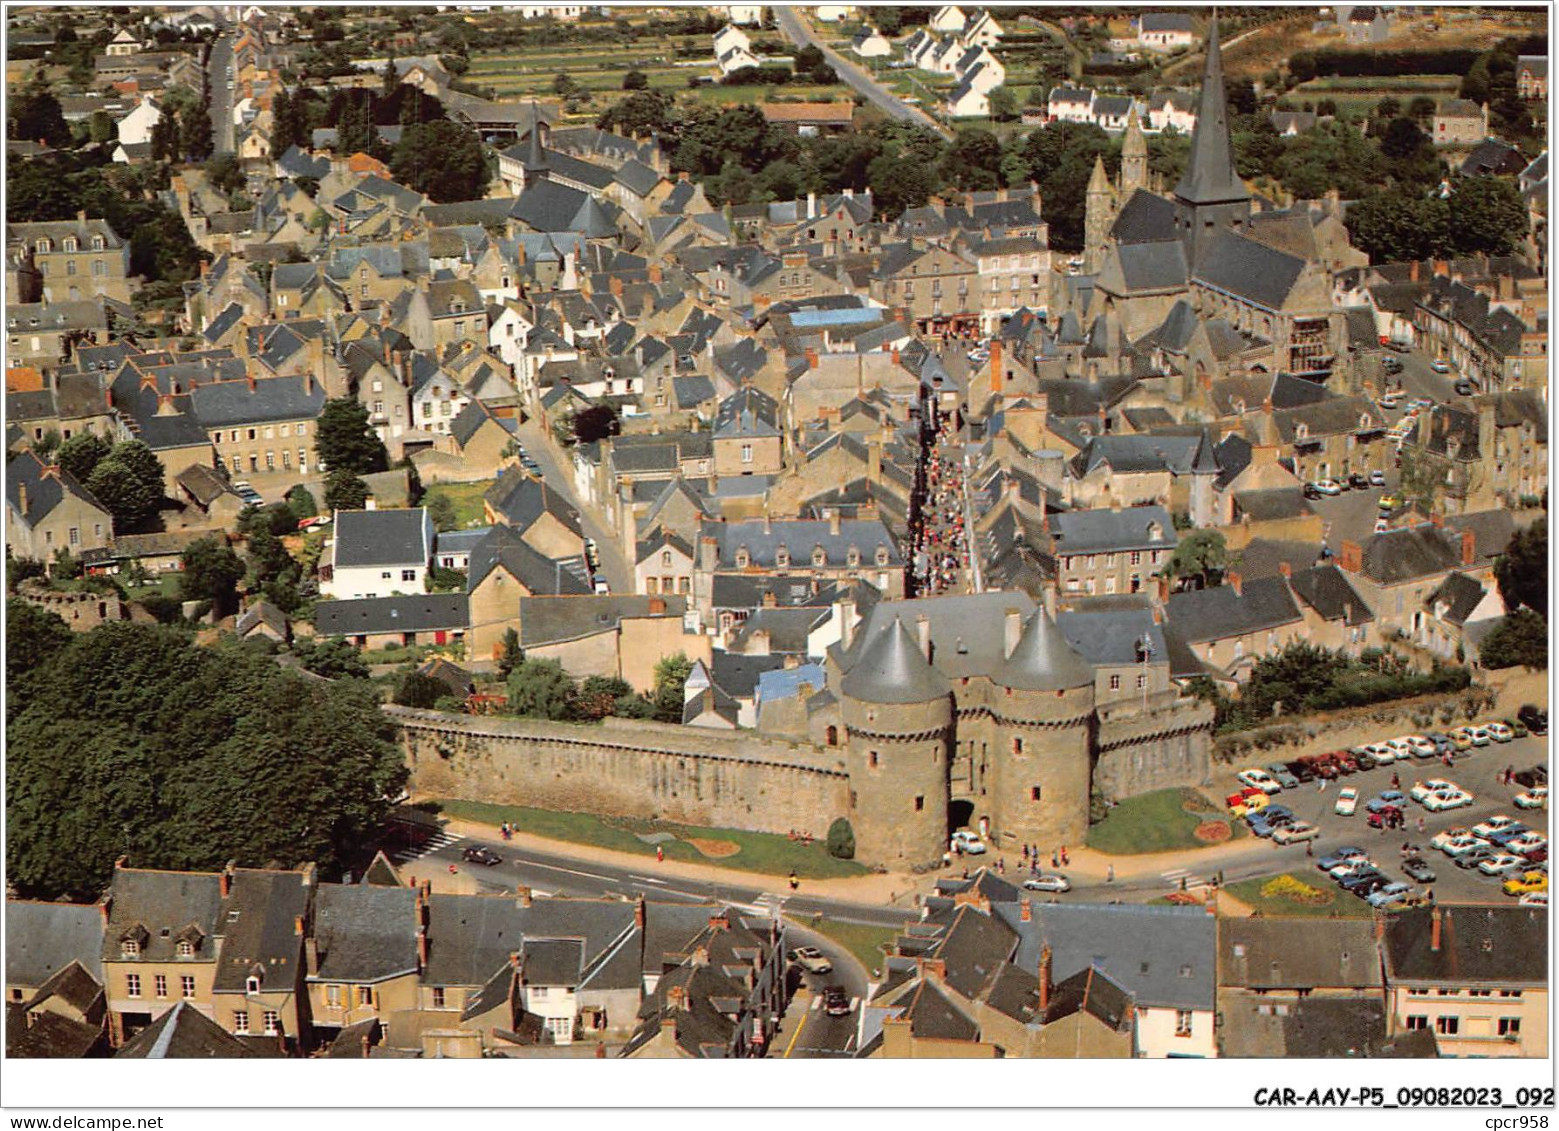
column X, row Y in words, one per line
column 747, row 413
column 383, row 538
column 259, row 925
column 555, row 619
column 184, row 1033
column 1327, row 590
column 1419, row 551
column 891, row 669
column 1109, row 631
column 1299, row 954
column 1043, row 660
column 503, row 545
column 1210, row 174
column 932, row 1016
column 41, row 939
column 1109, row 531
column 1505, row 946
column 800, row 537
column 1201, row 615
column 1249, row 269
column 157, row 907
column 226, row 403
column 1160, row 265
column 1144, row 218
column 1165, row 957
column 520, row 500
column 369, row 616
column 44, row 491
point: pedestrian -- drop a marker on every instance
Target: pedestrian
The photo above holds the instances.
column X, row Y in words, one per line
column 1054, row 861
column 794, row 883
column 1065, row 859
column 1396, row 782
column 1309, row 851
column 1025, row 854
column 966, row 871
column 660, row 852
column 1109, row 874
column 1420, row 825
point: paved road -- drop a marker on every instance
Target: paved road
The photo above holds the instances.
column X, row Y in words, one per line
column 217, row 65
column 809, row 1032
column 559, row 476
column 799, row 32
column 559, row 873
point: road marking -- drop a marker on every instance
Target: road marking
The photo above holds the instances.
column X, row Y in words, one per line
column 431, row 845
column 570, row 871
column 648, row 880
column 797, row 1034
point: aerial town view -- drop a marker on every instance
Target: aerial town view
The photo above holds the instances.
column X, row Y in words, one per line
column 556, row 532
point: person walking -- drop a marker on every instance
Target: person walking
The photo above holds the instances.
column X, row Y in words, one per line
column 660, row 853
column 1109, row 874
column 795, row 883
column 1065, row 859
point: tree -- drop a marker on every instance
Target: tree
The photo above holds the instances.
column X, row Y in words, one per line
column 224, row 173
column 133, row 741
column 898, row 185
column 128, row 481
column 334, row 658
column 511, row 653
column 596, row 423
column 1519, row 638
column 211, row 572
column 598, row 697
column 1522, row 570
column 33, row 635
column 841, row 839
column 1400, row 225
column 643, row 111
column 1486, row 217
column 442, row 159
column 36, row 116
column 441, row 509
column 345, row 442
column 1387, row 107
column 301, row 501
column 972, row 160
column 345, row 491
column 1200, row 554
column 195, row 135
column 418, row 690
column 541, row 689
column 81, row 454
column 1004, row 104
column 670, row 680
column 636, row 80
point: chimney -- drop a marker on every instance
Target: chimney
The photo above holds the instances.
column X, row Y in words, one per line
column 297, row 925
column 1046, row 985
column 1025, row 912
column 104, row 908
column 1236, row 582
column 1434, row 930
column 1351, row 557
column 1412, row 273
column 923, row 635
column 657, row 606
column 1286, row 570
column 227, row 878
column 931, row 969
column 833, row 522
column 811, row 205
column 996, row 372
column 811, row 358
column 719, row 923
column 638, row 913
column 422, row 949
column 1163, row 591
column 1013, row 631
column 847, row 622
column 1469, row 547
column 895, row 355
column 654, row 272
column 311, row 956
column 524, row 894
column 676, row 997
column 21, row 498
column 249, row 376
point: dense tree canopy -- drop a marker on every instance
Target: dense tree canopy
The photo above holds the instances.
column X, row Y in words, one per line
column 211, row 572
column 345, row 442
column 442, row 159
column 128, row 480
column 1520, row 639
column 129, row 741
column 1522, row 570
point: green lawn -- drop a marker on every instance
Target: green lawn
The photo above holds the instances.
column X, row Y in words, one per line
column 865, row 942
column 1338, row 903
column 1153, row 822
column 768, row 853
column 467, row 498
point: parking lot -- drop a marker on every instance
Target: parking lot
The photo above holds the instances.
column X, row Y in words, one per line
column 1477, row 771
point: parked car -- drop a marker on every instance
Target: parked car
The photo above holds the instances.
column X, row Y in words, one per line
column 1391, row 893
column 602, row 589
column 1516, row 727
column 1531, row 881
column 810, row 959
column 1474, row 856
column 1389, row 502
column 1347, row 802
column 1358, row 481
column 1328, row 486
column 1500, row 864
column 836, row 1001
column 1479, row 735
column 1392, row 797
column 1399, row 347
column 1535, row 718
column 1440, row 365
column 1269, row 820
column 1301, row 770
column 1501, row 838
column 1377, row 479
column 1259, row 779
column 1364, row 884
column 1284, row 778
column 1311, row 491
column 1450, row 799
column 1340, row 857
column 1458, row 846
column 1465, row 387
column 1384, row 817
column 1499, row 732
column 1391, row 365
column 1526, row 843
column 1421, row 746
column 1496, row 824
column 970, row 842
column 1461, row 738
column 477, row 854
column 1416, row 868
column 1422, row 789
column 1534, row 899
column 1051, row 881
column 1294, row 833
column 1534, row 798
column 1537, row 775
column 1383, row 754
column 1391, row 399
column 1442, row 743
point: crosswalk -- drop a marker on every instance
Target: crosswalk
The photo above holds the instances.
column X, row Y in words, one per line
column 1182, row 877
column 431, row 845
column 770, row 904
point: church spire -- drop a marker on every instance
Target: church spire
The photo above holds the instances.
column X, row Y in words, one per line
column 1134, row 155
column 1209, row 176
column 535, row 156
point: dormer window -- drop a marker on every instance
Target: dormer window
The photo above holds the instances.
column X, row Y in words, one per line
column 1155, row 532
column 97, row 243
column 43, row 247
column 1301, row 430
column 782, row 556
column 252, row 984
column 186, row 948
column 853, row 556
column 68, row 243
column 743, row 558
column 129, row 948
column 819, row 555
column 882, row 555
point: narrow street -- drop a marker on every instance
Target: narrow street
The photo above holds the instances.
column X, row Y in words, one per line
column 940, row 523
column 218, row 65
column 559, row 475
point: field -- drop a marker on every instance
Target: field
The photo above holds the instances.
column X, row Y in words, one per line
column 768, row 853
column 1160, row 821
column 1361, row 92
column 467, row 498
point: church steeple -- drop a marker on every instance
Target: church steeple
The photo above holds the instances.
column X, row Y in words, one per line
column 1099, row 216
column 1210, row 195
column 1134, row 156
column 536, row 168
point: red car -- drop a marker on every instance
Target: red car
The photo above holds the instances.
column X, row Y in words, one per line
column 1390, row 815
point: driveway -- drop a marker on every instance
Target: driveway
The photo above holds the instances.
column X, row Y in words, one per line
column 799, row 31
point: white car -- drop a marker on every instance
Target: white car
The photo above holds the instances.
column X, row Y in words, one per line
column 1293, row 834
column 1258, row 779
column 1479, row 735
column 1383, row 754
column 1450, row 799
column 1352, row 868
column 1418, row 744
column 1440, row 365
column 1050, row 881
column 1500, row 864
column 1422, row 789
column 1493, row 825
column 1534, row 798
column 810, row 959
column 1328, row 486
column 601, row 587
column 1377, row 479
column 1347, row 802
column 1527, row 842
column 1534, row 899
column 970, row 842
column 1499, row 732
column 1459, row 845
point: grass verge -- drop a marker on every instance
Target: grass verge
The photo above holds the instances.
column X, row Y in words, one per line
column 467, row 498
column 768, row 853
column 1161, row 821
column 862, row 940
column 1264, row 894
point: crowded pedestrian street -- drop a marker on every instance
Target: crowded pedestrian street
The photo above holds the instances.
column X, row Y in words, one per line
column 941, row 537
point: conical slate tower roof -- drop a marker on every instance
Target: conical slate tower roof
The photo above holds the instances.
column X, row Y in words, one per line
column 535, row 156
column 1135, row 143
column 892, row 670
column 1043, row 660
column 1209, row 174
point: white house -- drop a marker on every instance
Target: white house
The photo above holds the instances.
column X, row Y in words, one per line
column 1070, row 104
column 733, row 50
column 948, row 19
column 747, row 15
column 135, row 128
column 917, row 47
column 377, row 553
column 978, row 67
column 1165, row 31
column 510, row 333
column 1172, row 109
column 869, row 43
column 982, row 30
column 968, row 101
column 833, row 13
column 943, row 58
column 123, row 44
column 556, row 11
column 436, row 401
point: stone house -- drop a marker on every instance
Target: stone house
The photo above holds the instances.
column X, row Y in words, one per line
column 1457, row 121
column 47, row 512
column 393, row 622
column 1108, row 551
column 364, row 954
column 79, row 258
column 1231, row 626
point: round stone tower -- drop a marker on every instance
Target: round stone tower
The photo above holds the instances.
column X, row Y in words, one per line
column 1043, row 710
column 898, row 713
